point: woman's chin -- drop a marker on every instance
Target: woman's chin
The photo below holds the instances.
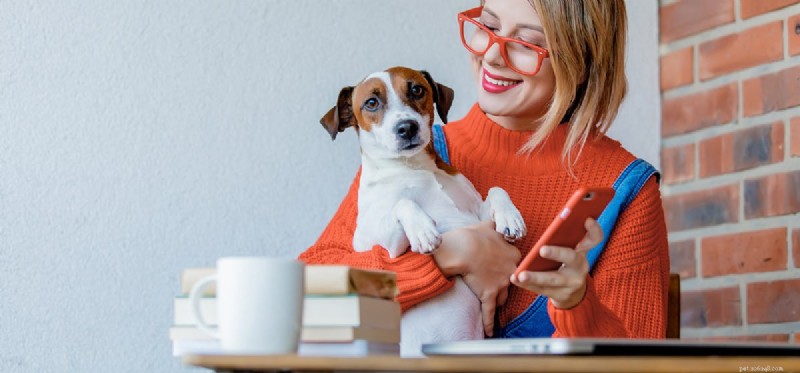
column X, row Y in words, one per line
column 492, row 106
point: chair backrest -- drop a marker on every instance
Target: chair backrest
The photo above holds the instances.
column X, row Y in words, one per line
column 674, row 306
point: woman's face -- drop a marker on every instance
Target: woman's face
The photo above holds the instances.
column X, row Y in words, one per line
column 518, row 102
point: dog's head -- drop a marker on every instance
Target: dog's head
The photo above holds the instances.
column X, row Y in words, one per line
column 392, row 111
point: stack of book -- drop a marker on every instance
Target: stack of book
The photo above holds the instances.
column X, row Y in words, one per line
column 346, row 312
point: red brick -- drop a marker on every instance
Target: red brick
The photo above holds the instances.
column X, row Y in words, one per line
column 677, row 164
column 699, row 110
column 677, row 69
column 751, row 338
column 773, row 195
column 765, row 338
column 794, row 137
column 688, row 17
column 796, row 247
column 752, row 47
column 741, row 150
column 715, row 307
column 774, row 301
column 681, row 259
column 746, row 252
column 771, row 92
column 752, row 8
column 793, row 35
column 703, row 208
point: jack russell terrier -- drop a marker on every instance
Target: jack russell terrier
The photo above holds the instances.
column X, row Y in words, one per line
column 408, row 196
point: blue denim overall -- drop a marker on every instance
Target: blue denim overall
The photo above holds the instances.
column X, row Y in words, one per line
column 534, row 321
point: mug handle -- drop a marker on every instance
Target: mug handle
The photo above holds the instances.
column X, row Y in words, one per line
column 194, row 296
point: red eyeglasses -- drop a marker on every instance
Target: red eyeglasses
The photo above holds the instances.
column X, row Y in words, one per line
column 522, row 57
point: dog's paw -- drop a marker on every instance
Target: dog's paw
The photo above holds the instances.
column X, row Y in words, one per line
column 507, row 218
column 510, row 225
column 423, row 236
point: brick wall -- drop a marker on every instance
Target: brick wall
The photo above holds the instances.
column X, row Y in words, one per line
column 730, row 82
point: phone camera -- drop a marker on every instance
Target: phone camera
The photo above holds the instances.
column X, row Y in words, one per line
column 588, row 196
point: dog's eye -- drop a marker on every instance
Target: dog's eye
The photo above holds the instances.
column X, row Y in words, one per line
column 417, row 91
column 372, row 104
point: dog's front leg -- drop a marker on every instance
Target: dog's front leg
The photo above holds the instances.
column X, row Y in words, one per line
column 508, row 221
column 418, row 226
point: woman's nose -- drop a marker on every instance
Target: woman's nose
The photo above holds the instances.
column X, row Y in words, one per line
column 493, row 56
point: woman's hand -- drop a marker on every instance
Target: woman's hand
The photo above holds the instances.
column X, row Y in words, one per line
column 484, row 260
column 567, row 286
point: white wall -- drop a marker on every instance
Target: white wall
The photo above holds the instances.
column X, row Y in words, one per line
column 638, row 125
column 139, row 137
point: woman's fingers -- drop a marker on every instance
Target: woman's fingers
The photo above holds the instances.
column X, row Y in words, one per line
column 594, row 235
column 542, row 280
column 502, row 297
column 564, row 255
column 487, row 310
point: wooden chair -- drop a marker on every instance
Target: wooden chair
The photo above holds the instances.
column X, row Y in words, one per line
column 674, row 306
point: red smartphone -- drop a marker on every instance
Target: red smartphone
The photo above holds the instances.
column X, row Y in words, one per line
column 567, row 229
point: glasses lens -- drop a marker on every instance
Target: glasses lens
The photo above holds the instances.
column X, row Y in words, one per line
column 522, row 57
column 474, row 37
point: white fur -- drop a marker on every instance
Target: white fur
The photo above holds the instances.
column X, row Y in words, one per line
column 405, row 200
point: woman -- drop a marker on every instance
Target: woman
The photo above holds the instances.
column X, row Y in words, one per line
column 550, row 79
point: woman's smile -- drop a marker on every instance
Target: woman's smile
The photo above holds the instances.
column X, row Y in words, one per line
column 497, row 84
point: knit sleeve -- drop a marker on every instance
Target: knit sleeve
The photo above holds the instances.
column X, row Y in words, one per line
column 627, row 294
column 418, row 276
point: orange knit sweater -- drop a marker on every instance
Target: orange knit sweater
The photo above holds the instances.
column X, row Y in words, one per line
column 626, row 293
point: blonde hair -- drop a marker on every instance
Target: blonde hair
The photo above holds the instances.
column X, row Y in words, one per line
column 587, row 51
column 587, row 39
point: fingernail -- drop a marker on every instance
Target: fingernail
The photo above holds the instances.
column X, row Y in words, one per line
column 522, row 277
column 545, row 251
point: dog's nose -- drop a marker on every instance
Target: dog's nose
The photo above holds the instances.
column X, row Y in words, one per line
column 407, row 129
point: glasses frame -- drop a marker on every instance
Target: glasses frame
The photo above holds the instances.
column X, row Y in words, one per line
column 471, row 14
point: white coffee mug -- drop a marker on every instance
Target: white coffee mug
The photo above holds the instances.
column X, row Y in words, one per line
column 259, row 304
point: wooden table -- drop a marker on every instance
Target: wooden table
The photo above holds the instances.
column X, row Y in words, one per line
column 293, row 363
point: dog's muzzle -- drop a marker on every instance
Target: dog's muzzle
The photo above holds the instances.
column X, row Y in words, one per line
column 407, row 132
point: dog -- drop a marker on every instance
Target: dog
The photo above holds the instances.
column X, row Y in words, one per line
column 408, row 196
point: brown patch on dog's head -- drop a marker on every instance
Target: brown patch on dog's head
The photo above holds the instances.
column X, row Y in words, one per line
column 370, row 98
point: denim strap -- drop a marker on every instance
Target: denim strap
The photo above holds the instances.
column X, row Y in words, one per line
column 440, row 143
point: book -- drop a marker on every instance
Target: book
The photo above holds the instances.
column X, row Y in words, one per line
column 340, row 280
column 356, row 348
column 347, row 310
column 321, row 280
column 350, row 349
column 191, row 276
column 349, row 334
column 308, row 334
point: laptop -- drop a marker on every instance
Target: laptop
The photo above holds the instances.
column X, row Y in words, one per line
column 608, row 347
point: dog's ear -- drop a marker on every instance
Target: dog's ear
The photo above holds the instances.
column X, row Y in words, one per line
column 442, row 96
column 339, row 117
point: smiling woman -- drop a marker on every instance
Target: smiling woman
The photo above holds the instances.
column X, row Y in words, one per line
column 550, row 79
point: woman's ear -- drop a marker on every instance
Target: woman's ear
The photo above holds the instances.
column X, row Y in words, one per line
column 339, row 117
column 442, row 96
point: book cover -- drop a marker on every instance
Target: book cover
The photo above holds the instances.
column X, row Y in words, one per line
column 318, row 310
column 321, row 280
